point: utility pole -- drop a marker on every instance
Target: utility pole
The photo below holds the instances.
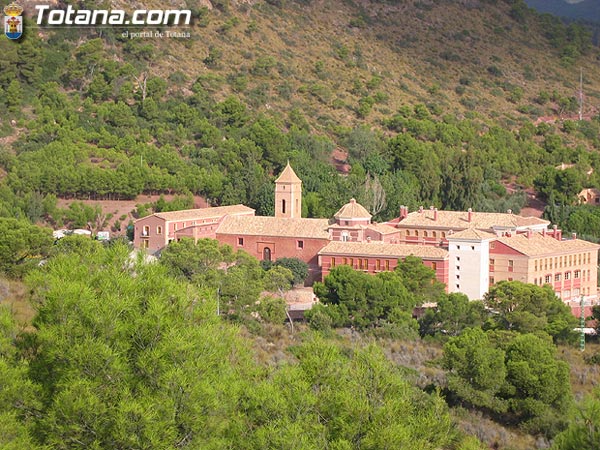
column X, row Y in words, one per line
column 580, row 94
column 582, row 326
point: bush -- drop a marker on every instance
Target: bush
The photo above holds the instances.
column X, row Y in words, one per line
column 318, row 319
column 298, row 267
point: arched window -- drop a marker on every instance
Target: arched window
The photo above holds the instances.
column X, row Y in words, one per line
column 267, row 254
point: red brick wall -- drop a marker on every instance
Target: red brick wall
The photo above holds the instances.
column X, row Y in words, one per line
column 441, row 271
column 153, row 241
column 281, row 247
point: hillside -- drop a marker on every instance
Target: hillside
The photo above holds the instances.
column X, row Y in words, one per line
column 325, row 57
column 435, row 110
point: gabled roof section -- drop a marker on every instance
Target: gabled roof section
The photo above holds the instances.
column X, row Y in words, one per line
column 352, row 210
column 274, row 227
column 472, row 234
column 288, row 176
column 459, row 220
column 379, row 249
column 538, row 245
column 204, row 213
column 382, row 228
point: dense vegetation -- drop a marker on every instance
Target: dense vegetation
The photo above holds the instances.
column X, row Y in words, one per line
column 117, row 345
column 125, row 356
column 100, row 118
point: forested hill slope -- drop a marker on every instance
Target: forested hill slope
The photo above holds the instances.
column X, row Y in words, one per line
column 452, row 90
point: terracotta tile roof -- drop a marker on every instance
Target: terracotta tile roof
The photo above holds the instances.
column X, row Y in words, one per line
column 352, row 210
column 472, row 234
column 288, row 176
column 538, row 245
column 458, row 220
column 382, row 228
column 204, row 213
column 383, row 250
column 274, row 226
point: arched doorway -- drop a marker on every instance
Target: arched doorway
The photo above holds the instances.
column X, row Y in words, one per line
column 267, row 254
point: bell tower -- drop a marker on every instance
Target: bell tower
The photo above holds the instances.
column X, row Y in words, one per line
column 288, row 194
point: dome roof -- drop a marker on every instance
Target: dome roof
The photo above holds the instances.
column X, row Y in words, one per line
column 352, row 210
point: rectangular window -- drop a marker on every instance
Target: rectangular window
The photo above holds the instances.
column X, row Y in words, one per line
column 492, row 280
column 159, row 230
column 146, row 230
column 378, row 264
column 510, row 279
column 567, row 275
column 557, row 277
column 576, row 292
column 240, row 241
column 434, row 265
column 360, row 265
column 366, row 264
column 577, row 274
column 300, row 244
column 535, row 266
column 511, row 265
column 387, row 264
column 351, row 262
column 345, row 261
column 492, row 262
column 547, row 279
column 332, row 262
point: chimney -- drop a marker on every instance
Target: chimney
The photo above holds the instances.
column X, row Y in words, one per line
column 469, row 215
column 368, row 239
column 529, row 233
column 509, row 211
column 403, row 212
column 574, row 235
column 544, row 232
column 435, row 214
column 559, row 237
column 420, row 210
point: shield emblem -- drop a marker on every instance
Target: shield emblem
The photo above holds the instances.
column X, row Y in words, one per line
column 13, row 21
column 13, row 26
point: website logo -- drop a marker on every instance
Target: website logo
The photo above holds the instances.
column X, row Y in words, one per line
column 13, row 21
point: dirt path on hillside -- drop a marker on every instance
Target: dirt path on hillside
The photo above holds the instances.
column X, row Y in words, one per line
column 120, row 208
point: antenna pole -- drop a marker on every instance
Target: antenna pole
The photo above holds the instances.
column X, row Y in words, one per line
column 581, row 94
